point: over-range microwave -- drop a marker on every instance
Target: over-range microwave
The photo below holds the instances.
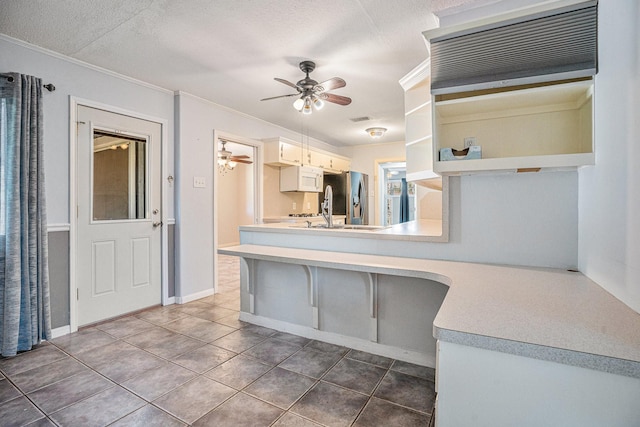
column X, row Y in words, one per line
column 301, row 178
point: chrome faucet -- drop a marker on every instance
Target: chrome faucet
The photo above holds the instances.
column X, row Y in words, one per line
column 327, row 206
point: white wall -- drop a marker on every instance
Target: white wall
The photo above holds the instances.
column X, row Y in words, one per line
column 609, row 235
column 196, row 120
column 72, row 78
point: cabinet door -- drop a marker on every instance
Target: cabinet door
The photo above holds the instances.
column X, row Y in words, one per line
column 290, row 153
column 339, row 164
column 319, row 160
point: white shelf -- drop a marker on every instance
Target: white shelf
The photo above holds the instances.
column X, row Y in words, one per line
column 558, row 161
column 547, row 126
column 421, row 106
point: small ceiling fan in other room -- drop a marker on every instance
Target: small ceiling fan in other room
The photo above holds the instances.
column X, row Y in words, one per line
column 227, row 161
column 310, row 92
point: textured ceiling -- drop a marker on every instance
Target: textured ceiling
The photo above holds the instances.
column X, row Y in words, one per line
column 229, row 51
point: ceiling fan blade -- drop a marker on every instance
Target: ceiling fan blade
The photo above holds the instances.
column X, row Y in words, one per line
column 240, row 156
column 288, row 83
column 333, row 83
column 281, row 96
column 336, row 99
column 247, row 162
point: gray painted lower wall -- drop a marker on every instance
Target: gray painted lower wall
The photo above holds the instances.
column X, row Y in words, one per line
column 59, row 278
column 172, row 259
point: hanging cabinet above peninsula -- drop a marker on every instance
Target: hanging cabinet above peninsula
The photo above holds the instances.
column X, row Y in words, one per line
column 521, row 87
column 418, row 129
column 285, row 152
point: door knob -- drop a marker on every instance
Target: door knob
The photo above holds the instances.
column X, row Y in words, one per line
column 157, row 224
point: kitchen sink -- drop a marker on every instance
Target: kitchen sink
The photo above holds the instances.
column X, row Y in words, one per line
column 361, row 227
column 343, row 227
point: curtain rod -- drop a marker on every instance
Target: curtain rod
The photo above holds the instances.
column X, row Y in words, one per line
column 49, row 86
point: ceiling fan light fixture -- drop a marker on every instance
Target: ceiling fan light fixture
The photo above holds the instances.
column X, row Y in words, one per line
column 376, row 132
column 318, row 103
column 298, row 104
column 311, row 94
column 307, row 106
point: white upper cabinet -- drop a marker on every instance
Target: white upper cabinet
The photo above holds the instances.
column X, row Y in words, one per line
column 279, row 152
column 548, row 126
column 284, row 152
column 418, row 126
column 519, row 86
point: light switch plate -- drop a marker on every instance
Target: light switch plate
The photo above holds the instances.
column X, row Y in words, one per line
column 199, row 182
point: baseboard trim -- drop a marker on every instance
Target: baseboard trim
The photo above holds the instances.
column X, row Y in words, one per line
column 58, row 332
column 193, row 297
column 342, row 340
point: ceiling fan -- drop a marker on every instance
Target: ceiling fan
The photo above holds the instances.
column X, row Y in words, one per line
column 227, row 161
column 311, row 92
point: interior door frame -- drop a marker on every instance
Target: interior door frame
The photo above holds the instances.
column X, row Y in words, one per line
column 378, row 185
column 74, row 103
column 257, row 185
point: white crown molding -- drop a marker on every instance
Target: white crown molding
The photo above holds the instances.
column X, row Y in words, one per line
column 81, row 63
column 417, row 75
column 315, row 142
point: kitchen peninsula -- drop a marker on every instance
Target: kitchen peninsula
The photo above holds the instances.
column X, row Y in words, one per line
column 499, row 336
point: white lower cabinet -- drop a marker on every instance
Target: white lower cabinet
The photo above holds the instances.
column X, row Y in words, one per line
column 484, row 388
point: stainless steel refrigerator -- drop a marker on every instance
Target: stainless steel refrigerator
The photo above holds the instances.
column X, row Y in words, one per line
column 349, row 196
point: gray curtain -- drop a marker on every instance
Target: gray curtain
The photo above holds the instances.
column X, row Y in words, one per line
column 24, row 272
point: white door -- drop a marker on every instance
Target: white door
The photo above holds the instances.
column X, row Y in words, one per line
column 118, row 267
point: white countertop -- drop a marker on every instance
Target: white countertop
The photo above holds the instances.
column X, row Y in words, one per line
column 548, row 314
column 295, row 219
column 419, row 230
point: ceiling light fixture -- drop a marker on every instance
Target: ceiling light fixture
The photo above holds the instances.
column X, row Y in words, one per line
column 306, row 109
column 225, row 163
column 304, row 103
column 376, row 132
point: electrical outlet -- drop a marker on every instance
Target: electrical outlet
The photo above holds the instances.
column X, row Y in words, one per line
column 294, row 206
column 469, row 141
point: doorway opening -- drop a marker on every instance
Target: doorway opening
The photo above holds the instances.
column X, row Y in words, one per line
column 236, row 190
column 237, row 196
column 397, row 196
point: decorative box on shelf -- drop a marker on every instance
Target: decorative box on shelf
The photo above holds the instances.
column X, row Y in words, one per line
column 471, row 152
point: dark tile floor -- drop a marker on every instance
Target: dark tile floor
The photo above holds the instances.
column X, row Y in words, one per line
column 197, row 364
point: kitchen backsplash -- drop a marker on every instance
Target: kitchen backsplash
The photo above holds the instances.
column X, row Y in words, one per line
column 281, row 204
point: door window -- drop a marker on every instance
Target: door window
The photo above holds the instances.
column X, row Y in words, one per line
column 119, row 177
